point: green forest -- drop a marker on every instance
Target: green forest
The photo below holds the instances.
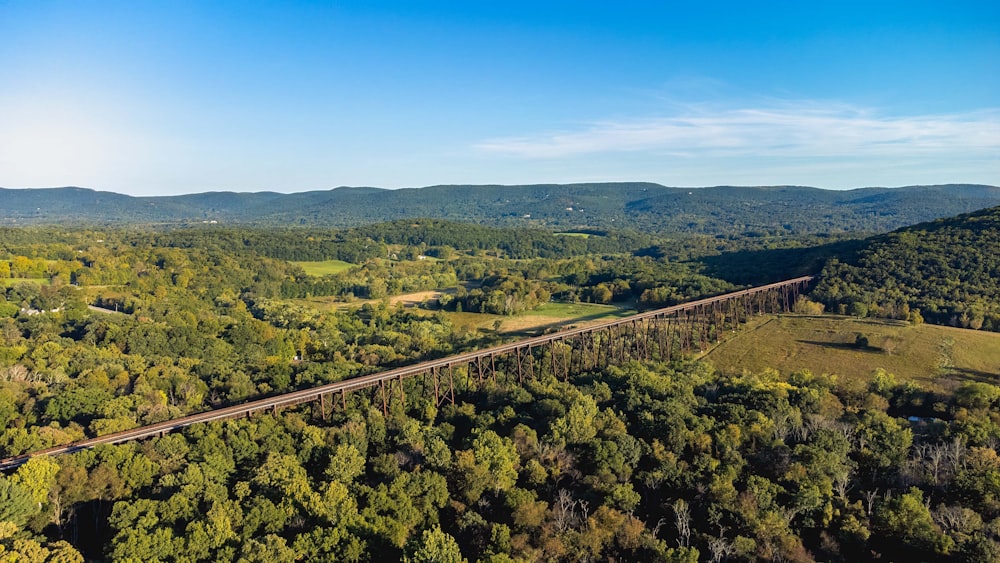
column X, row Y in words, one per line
column 639, row 462
column 639, row 206
column 108, row 328
column 946, row 271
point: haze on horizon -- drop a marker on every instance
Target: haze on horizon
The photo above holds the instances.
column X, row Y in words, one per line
column 161, row 98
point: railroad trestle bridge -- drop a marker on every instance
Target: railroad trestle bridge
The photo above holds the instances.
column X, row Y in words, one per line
column 661, row 334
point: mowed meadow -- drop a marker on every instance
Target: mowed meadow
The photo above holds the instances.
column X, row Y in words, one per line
column 324, row 267
column 552, row 315
column 935, row 356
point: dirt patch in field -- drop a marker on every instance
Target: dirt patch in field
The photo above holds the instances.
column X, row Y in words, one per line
column 532, row 325
column 415, row 299
column 525, row 323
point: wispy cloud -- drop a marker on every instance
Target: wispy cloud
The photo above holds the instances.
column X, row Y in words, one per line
column 791, row 130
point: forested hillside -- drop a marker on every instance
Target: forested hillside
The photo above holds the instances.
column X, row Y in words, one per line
column 428, row 236
column 946, row 271
column 752, row 211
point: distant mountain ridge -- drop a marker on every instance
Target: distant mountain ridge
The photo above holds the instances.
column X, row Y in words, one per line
column 629, row 205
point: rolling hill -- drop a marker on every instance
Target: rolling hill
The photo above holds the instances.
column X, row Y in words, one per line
column 724, row 210
column 947, row 269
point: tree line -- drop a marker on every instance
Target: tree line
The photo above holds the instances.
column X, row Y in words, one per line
column 946, row 272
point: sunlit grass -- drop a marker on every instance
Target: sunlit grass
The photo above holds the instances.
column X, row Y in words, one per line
column 7, row 282
column 324, row 268
column 579, row 310
column 936, row 356
column 548, row 316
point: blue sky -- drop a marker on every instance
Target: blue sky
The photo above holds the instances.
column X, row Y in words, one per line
column 157, row 98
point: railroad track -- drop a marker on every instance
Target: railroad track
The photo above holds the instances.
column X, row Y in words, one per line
column 385, row 377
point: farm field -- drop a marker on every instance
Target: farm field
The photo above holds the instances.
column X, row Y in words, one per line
column 324, row 268
column 935, row 356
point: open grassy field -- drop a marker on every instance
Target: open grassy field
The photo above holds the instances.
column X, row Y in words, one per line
column 590, row 311
column 549, row 315
column 7, row 282
column 556, row 315
column 935, row 356
column 546, row 317
column 406, row 299
column 324, row 268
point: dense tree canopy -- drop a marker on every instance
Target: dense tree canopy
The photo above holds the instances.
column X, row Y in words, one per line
column 947, row 272
column 638, row 462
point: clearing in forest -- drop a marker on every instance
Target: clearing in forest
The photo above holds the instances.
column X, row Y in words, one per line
column 324, row 268
column 934, row 356
column 8, row 282
column 552, row 315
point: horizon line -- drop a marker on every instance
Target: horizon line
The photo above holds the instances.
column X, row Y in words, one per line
column 493, row 185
